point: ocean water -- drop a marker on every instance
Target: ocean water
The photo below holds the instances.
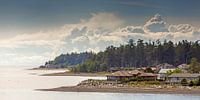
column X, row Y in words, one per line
column 20, row 84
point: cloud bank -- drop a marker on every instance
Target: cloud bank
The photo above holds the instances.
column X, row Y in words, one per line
column 93, row 34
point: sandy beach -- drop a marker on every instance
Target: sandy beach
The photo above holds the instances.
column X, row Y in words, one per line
column 115, row 87
column 126, row 90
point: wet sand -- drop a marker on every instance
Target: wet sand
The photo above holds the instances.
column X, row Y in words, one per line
column 126, row 90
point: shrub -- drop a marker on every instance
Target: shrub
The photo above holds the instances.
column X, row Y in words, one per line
column 198, row 82
column 184, row 82
column 153, row 82
column 125, row 80
column 191, row 83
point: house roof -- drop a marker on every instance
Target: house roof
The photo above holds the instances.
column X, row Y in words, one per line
column 164, row 71
column 184, row 75
column 135, row 72
column 132, row 73
column 148, row 75
column 125, row 73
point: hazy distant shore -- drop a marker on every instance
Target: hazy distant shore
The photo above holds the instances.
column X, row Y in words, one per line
column 67, row 73
column 75, row 74
column 49, row 69
column 126, row 90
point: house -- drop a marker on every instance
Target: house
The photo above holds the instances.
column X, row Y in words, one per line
column 178, row 77
column 162, row 74
column 120, row 75
column 148, row 76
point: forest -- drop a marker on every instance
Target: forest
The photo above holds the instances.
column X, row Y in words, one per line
column 141, row 54
column 69, row 60
column 134, row 54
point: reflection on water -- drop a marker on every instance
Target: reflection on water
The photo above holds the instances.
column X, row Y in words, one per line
column 21, row 79
column 19, row 84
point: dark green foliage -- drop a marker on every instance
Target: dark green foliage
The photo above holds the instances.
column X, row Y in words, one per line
column 142, row 54
column 198, row 82
column 124, row 80
column 65, row 60
column 177, row 70
column 149, row 70
column 184, row 82
column 132, row 55
column 194, row 66
column 191, row 83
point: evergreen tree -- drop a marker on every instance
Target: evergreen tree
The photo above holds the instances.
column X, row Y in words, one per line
column 194, row 66
column 134, row 54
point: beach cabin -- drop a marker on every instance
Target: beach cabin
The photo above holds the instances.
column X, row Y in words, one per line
column 178, row 77
column 148, row 76
column 120, row 75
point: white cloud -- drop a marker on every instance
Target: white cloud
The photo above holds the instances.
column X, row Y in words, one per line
column 103, row 21
column 155, row 24
column 80, row 39
column 157, row 28
column 93, row 34
column 133, row 29
column 82, row 36
column 95, row 50
column 182, row 28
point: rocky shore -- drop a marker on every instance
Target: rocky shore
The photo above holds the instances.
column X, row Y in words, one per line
column 115, row 87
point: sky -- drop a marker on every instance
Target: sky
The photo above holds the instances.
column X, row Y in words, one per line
column 35, row 31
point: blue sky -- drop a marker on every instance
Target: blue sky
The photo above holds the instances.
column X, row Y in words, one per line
column 32, row 15
column 34, row 31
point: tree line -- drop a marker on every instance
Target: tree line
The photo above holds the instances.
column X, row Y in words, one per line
column 141, row 54
column 72, row 59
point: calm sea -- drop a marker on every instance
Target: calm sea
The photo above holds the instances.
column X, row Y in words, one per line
column 19, row 84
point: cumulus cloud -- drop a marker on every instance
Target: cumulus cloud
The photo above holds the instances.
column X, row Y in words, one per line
column 183, row 28
column 155, row 24
column 93, row 34
column 157, row 28
column 133, row 29
column 78, row 37
column 103, row 21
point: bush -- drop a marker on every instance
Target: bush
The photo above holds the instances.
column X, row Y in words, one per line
column 153, row 82
column 133, row 79
column 191, row 83
column 125, row 80
column 198, row 82
column 184, row 82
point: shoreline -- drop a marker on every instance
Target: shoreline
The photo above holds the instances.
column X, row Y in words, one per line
column 48, row 69
column 115, row 87
column 68, row 73
column 125, row 90
column 76, row 74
